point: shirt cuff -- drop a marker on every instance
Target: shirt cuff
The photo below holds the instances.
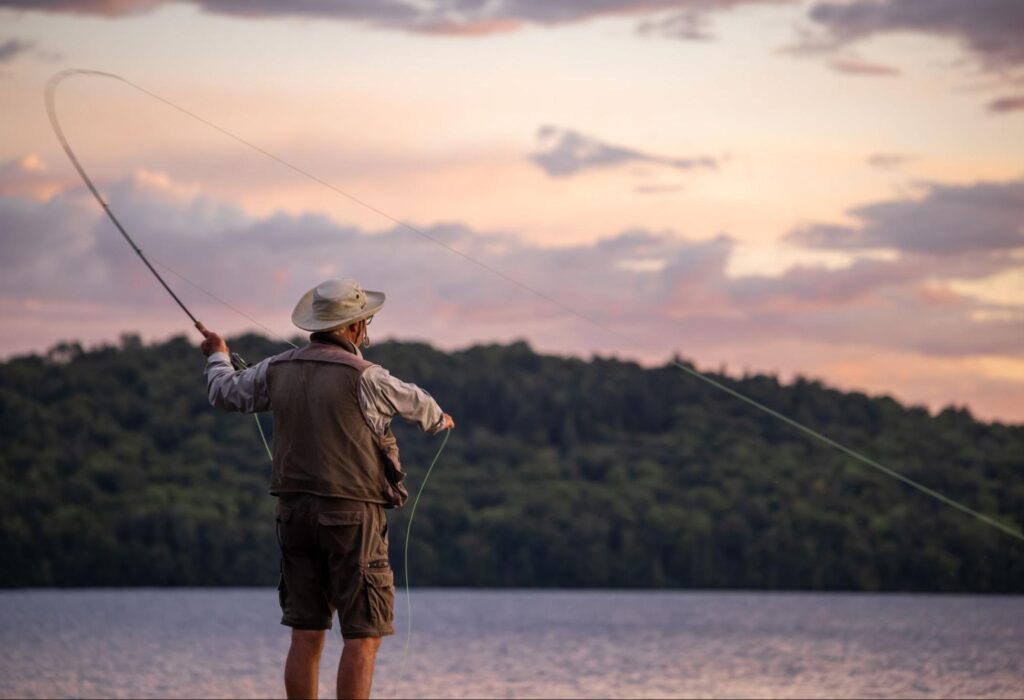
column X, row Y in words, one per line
column 218, row 357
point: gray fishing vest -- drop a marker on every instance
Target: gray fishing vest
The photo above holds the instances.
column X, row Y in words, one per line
column 322, row 443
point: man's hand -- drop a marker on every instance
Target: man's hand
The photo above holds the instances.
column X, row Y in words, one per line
column 449, row 423
column 212, row 343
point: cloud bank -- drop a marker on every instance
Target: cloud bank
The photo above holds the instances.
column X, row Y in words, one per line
column 438, row 17
column 949, row 220
column 663, row 289
column 66, row 274
column 990, row 30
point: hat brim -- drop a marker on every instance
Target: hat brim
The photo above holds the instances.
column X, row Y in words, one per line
column 304, row 318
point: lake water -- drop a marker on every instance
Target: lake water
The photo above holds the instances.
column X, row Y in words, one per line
column 186, row 643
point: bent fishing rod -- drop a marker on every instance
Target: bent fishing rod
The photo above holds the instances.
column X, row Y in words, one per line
column 51, row 112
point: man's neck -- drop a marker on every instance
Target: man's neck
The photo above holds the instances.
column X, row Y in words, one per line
column 334, row 339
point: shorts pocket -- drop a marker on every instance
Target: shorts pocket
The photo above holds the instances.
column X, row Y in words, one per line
column 282, row 595
column 281, row 515
column 380, row 592
column 339, row 534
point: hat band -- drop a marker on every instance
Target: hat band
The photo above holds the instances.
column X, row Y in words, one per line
column 328, row 309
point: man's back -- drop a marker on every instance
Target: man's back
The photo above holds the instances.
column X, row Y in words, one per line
column 322, row 442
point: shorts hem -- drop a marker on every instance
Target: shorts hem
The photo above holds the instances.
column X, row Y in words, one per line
column 305, row 624
column 366, row 634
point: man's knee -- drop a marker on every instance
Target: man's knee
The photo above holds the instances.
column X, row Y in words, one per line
column 310, row 641
column 363, row 646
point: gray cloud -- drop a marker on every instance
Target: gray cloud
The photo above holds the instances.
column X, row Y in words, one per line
column 12, row 48
column 102, row 8
column 990, row 29
column 565, row 152
column 663, row 290
column 690, row 26
column 948, row 220
column 1014, row 103
column 446, row 17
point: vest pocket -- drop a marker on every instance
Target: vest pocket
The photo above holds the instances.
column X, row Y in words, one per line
column 380, row 591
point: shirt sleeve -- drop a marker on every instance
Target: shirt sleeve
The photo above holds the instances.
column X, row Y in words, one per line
column 243, row 390
column 382, row 397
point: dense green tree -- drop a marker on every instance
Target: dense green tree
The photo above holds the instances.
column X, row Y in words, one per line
column 114, row 470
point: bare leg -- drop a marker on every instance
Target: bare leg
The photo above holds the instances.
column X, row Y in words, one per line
column 355, row 671
column 302, row 669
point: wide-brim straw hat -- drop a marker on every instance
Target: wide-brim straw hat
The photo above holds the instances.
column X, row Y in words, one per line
column 335, row 303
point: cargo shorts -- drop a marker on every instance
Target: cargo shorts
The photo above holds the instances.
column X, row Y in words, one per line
column 334, row 557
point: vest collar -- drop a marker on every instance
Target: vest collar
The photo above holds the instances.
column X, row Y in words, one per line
column 331, row 339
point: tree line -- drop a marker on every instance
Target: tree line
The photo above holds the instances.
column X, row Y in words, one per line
column 563, row 472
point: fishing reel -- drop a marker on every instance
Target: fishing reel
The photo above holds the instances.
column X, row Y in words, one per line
column 238, row 363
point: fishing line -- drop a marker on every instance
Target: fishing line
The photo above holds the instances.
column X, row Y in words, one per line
column 405, row 565
column 216, row 298
column 541, row 295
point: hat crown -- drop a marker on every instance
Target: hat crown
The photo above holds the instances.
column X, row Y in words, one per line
column 335, row 303
column 337, row 299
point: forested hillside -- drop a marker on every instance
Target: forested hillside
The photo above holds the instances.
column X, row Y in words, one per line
column 114, row 470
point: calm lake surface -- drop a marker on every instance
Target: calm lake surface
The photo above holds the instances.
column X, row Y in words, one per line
column 186, row 643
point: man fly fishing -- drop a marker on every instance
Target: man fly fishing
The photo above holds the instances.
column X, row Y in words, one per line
column 335, row 468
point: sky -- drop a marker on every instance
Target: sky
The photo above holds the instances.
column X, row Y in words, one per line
column 831, row 189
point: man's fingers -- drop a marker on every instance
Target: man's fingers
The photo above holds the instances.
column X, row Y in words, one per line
column 202, row 329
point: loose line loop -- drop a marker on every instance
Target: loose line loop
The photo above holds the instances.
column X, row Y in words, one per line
column 405, row 566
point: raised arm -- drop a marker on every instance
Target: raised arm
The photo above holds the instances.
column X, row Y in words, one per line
column 230, row 390
column 382, row 397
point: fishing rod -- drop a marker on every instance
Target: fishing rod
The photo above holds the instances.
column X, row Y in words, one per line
column 51, row 111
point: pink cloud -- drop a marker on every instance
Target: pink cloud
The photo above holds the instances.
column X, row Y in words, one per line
column 29, row 176
column 938, row 295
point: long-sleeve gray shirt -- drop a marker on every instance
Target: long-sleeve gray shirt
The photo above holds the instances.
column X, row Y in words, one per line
column 381, row 396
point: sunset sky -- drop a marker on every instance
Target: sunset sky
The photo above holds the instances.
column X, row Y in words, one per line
column 832, row 189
